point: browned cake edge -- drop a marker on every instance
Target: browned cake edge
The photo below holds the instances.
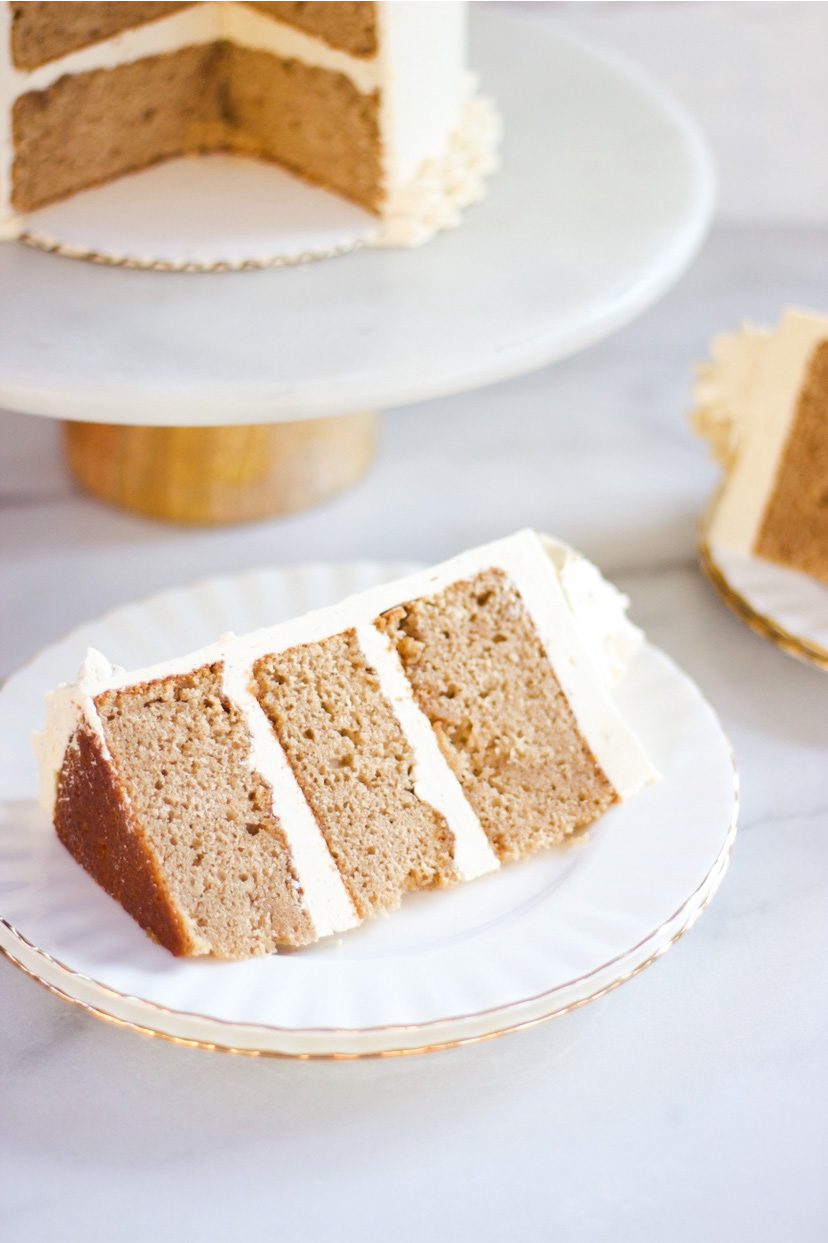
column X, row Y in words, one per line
column 95, row 823
column 181, row 748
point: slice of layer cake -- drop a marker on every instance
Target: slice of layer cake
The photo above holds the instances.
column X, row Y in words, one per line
column 282, row 786
column 762, row 403
column 372, row 101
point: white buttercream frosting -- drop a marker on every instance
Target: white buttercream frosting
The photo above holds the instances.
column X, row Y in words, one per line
column 723, row 392
column 446, row 184
column 423, row 83
column 329, row 905
column 579, row 618
column 66, row 708
column 615, row 746
column 434, row 781
column 437, row 146
column 600, row 610
column 746, row 401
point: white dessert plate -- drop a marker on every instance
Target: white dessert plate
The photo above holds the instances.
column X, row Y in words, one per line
column 603, row 196
column 532, row 941
column 788, row 608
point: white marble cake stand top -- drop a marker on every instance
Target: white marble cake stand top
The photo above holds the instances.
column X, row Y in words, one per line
column 603, row 196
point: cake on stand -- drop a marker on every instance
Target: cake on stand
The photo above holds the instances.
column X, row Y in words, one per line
column 215, row 396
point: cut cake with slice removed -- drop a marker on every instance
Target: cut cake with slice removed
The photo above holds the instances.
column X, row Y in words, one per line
column 281, row 786
column 372, row 101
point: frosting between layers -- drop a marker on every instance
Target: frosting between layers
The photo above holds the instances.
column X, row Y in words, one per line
column 746, row 402
column 536, row 568
column 434, row 781
column 330, row 908
column 203, row 23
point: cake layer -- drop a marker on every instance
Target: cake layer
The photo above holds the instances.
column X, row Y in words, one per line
column 479, row 673
column 312, row 121
column 212, row 97
column 434, row 781
column 356, row 769
column 94, row 820
column 179, row 752
column 794, row 527
column 346, row 25
column 44, row 32
column 89, row 128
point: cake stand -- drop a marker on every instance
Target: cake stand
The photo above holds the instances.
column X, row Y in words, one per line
column 213, row 397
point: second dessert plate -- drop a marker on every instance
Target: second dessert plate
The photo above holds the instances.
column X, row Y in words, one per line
column 788, row 608
column 532, row 941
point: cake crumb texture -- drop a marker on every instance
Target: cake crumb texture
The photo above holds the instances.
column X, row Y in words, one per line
column 95, row 823
column 356, row 770
column 44, row 32
column 349, row 26
column 180, row 752
column 479, row 673
column 794, row 528
column 311, row 120
column 90, row 128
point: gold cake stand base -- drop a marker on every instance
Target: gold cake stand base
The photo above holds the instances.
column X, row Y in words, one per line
column 209, row 476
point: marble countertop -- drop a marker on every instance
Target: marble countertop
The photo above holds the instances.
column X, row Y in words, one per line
column 690, row 1104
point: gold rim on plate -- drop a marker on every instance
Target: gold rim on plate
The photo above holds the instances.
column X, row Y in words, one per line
column 794, row 645
column 292, row 260
column 187, row 1042
column 691, row 909
column 688, row 912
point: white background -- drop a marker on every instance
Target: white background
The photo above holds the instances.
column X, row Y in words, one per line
column 690, row 1104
